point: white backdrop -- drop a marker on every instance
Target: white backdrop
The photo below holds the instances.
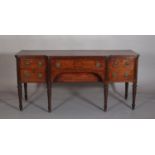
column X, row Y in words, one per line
column 144, row 45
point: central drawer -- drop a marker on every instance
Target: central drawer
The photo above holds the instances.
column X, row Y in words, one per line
column 77, row 68
column 78, row 63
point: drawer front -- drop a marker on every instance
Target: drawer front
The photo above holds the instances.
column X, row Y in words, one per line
column 62, row 63
column 78, row 64
column 90, row 64
column 33, row 62
column 121, row 69
column 28, row 75
column 93, row 67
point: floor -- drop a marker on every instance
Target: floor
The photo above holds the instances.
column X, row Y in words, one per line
column 76, row 102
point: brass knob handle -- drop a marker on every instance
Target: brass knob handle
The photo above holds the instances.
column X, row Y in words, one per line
column 58, row 65
column 127, row 63
column 40, row 64
column 26, row 74
column 114, row 75
column 115, row 63
column 40, row 75
column 98, row 64
column 27, row 62
column 126, row 75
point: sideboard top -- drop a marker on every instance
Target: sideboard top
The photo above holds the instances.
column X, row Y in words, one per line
column 77, row 53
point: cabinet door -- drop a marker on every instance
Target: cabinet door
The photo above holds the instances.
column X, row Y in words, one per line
column 121, row 68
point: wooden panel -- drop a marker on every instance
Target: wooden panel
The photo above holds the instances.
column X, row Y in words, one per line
column 77, row 77
column 33, row 62
column 121, row 69
column 28, row 75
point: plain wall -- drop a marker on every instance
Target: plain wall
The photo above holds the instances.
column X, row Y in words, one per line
column 144, row 45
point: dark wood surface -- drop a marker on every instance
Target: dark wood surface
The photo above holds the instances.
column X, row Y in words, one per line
column 70, row 53
column 106, row 66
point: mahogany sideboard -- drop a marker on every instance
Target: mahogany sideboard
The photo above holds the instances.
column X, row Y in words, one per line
column 105, row 66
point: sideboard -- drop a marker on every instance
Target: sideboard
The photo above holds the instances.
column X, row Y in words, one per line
column 105, row 66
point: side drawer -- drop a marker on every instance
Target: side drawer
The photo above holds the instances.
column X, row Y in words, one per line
column 121, row 68
column 28, row 75
column 33, row 62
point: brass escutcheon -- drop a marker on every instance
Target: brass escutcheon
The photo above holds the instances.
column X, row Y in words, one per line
column 98, row 64
column 58, row 65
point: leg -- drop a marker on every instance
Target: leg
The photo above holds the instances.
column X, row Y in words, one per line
column 134, row 95
column 20, row 96
column 105, row 96
column 126, row 90
column 49, row 94
column 25, row 89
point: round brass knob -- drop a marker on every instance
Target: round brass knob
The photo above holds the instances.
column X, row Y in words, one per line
column 40, row 64
column 126, row 75
column 115, row 63
column 58, row 65
column 98, row 64
column 40, row 75
column 127, row 63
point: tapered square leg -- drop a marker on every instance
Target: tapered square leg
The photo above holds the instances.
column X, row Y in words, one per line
column 134, row 92
column 20, row 96
column 25, row 91
column 126, row 90
column 105, row 96
column 49, row 94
